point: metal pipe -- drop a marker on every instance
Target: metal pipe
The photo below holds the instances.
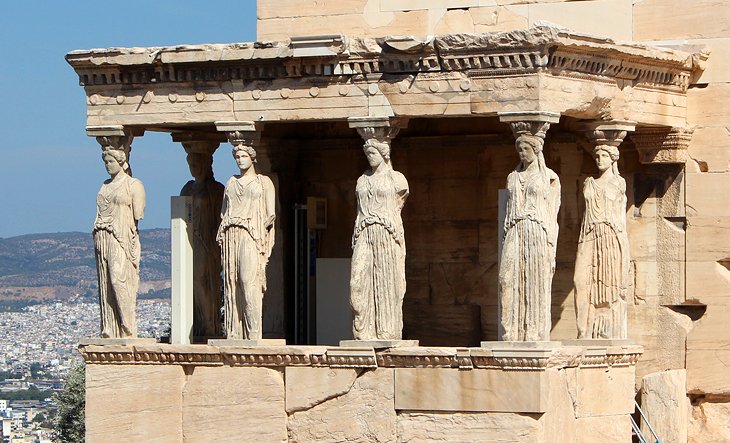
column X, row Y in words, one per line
column 656, row 437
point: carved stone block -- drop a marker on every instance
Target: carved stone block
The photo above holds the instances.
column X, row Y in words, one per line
column 159, row 386
column 214, row 398
column 366, row 409
column 444, row 389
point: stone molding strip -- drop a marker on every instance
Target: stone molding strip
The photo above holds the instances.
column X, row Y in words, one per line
column 338, row 357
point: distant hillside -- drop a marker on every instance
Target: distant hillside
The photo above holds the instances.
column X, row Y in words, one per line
column 56, row 263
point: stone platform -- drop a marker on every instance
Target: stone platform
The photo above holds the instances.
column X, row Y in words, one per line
column 198, row 393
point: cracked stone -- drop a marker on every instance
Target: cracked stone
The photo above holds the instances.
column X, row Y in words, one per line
column 365, row 413
column 307, row 387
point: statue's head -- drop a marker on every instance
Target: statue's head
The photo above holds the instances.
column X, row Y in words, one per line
column 533, row 141
column 244, row 155
column 528, row 147
column 376, row 152
column 612, row 151
column 606, row 157
column 201, row 165
column 247, row 149
column 114, row 160
column 116, row 147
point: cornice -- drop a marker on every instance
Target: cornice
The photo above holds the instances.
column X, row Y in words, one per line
column 543, row 48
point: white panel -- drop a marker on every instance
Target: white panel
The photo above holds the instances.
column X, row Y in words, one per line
column 181, row 217
column 334, row 315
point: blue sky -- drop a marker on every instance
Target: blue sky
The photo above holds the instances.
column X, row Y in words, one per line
column 50, row 171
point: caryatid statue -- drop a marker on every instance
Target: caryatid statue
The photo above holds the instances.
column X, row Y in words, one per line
column 119, row 207
column 527, row 263
column 601, row 276
column 246, row 238
column 378, row 276
column 207, row 199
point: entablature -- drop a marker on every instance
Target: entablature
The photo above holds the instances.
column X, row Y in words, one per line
column 543, row 68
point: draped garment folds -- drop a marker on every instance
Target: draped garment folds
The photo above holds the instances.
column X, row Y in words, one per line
column 602, row 263
column 377, row 280
column 527, row 262
column 207, row 201
column 117, row 249
column 246, row 242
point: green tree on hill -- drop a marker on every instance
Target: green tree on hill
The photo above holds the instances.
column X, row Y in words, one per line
column 68, row 424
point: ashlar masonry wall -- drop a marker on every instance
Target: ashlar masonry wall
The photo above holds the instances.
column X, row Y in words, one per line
column 376, row 18
column 682, row 216
column 172, row 393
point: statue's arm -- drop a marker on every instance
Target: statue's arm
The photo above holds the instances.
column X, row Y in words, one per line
column 139, row 200
column 224, row 202
column 555, row 185
column 401, row 186
column 187, row 189
column 270, row 195
column 555, row 208
column 621, row 209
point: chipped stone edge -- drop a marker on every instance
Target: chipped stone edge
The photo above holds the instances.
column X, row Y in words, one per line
column 337, row 357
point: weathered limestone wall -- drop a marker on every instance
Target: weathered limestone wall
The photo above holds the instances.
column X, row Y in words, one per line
column 681, row 217
column 311, row 394
column 376, row 18
column 703, row 23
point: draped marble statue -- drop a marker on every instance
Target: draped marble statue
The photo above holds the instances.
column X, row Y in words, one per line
column 207, row 196
column 246, row 238
column 378, row 277
column 602, row 264
column 119, row 206
column 527, row 263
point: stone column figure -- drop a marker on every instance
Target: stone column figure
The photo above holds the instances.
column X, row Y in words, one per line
column 246, row 238
column 601, row 277
column 527, row 262
column 378, row 277
column 119, row 206
column 207, row 196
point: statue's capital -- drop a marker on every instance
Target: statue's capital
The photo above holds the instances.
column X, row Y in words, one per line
column 382, row 129
column 114, row 137
column 246, row 133
column 602, row 133
column 199, row 142
column 534, row 123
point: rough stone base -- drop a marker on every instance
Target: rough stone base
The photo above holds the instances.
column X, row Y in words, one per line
column 710, row 420
column 315, row 393
column 666, row 406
